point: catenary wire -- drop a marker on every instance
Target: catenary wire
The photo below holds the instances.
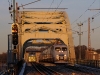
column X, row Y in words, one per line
column 84, row 12
column 56, row 8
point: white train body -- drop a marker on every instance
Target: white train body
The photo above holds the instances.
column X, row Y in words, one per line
column 59, row 53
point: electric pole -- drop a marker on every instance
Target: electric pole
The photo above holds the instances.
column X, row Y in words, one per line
column 14, row 11
column 80, row 33
column 89, row 41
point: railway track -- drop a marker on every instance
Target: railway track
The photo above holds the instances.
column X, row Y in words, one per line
column 38, row 69
column 68, row 71
column 88, row 69
column 45, row 70
column 84, row 69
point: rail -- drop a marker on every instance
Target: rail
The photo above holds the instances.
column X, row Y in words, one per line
column 45, row 70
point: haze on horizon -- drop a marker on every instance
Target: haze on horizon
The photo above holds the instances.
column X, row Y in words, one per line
column 77, row 12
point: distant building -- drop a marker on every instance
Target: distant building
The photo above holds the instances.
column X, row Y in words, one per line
column 92, row 55
column 99, row 56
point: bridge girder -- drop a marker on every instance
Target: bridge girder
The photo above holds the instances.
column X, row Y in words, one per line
column 43, row 25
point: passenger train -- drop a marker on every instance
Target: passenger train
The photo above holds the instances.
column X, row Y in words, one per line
column 31, row 57
column 59, row 53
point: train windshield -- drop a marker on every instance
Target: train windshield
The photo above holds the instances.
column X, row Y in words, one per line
column 64, row 49
column 57, row 48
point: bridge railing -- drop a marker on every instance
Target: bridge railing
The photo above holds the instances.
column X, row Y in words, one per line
column 90, row 63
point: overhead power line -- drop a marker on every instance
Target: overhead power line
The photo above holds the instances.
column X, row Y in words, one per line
column 45, row 8
column 92, row 29
column 51, row 4
column 84, row 12
column 58, row 5
column 56, row 8
column 54, row 11
column 96, row 15
column 47, row 11
column 29, row 3
column 95, row 28
column 9, row 3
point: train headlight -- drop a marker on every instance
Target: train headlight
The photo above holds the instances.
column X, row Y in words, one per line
column 59, row 51
column 57, row 57
column 65, row 55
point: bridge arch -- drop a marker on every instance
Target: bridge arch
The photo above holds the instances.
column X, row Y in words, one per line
column 57, row 26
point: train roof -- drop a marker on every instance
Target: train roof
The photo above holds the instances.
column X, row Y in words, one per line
column 59, row 45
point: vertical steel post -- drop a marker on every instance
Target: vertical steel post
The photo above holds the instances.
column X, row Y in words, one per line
column 9, row 55
column 18, row 30
column 80, row 33
column 14, row 11
column 80, row 41
column 89, row 42
column 14, row 20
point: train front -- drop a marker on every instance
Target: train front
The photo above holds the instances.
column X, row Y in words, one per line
column 60, row 54
column 32, row 57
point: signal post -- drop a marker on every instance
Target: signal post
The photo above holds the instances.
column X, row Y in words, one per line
column 15, row 40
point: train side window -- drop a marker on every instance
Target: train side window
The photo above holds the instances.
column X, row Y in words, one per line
column 64, row 49
column 57, row 48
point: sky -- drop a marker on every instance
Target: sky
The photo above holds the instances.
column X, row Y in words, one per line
column 77, row 12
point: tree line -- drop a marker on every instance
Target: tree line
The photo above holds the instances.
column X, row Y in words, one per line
column 83, row 51
column 3, row 56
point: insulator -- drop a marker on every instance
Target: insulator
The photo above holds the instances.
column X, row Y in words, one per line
column 11, row 15
column 93, row 30
column 9, row 8
column 14, row 46
column 18, row 8
column 92, row 17
column 11, row 5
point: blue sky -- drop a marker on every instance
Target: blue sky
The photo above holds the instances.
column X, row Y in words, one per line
column 75, row 9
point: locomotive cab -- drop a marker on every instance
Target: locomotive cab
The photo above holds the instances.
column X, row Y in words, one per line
column 60, row 54
column 32, row 57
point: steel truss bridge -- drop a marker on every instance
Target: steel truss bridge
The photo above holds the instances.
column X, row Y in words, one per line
column 42, row 28
column 36, row 31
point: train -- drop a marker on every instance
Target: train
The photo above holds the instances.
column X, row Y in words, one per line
column 31, row 57
column 59, row 53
